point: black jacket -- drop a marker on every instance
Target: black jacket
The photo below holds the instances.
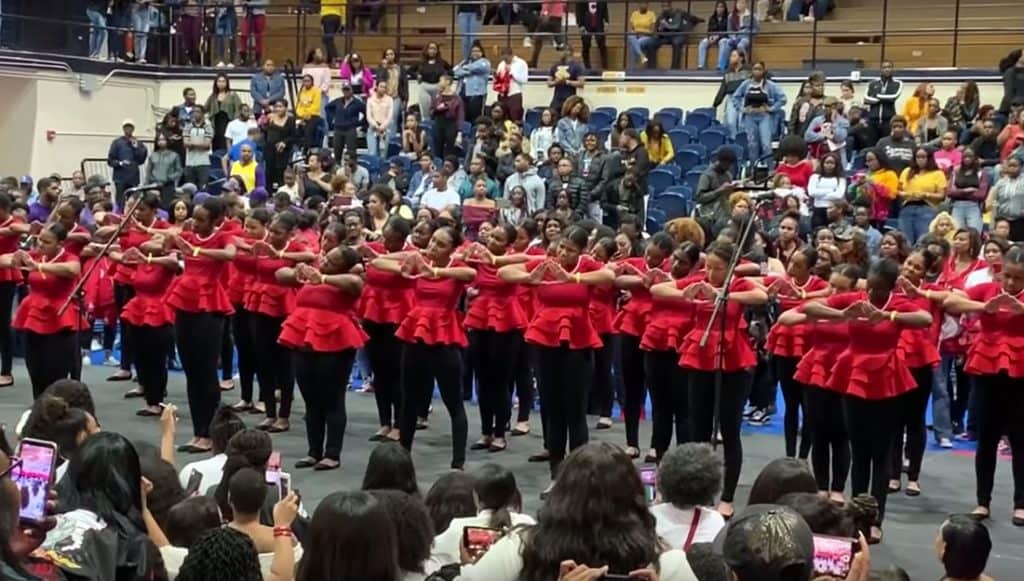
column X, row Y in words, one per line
column 1013, row 86
column 881, row 98
column 583, row 9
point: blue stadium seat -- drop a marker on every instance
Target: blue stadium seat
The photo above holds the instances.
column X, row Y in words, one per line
column 674, row 169
column 532, row 117
column 611, row 111
column 601, row 119
column 688, row 157
column 394, row 148
column 660, row 179
column 655, row 220
column 683, row 190
column 709, row 111
column 405, row 162
column 672, row 204
column 672, row 111
column 681, row 136
column 668, row 120
column 692, row 178
column 713, row 138
column 698, row 120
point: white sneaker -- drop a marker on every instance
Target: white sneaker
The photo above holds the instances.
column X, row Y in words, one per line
column 95, row 345
column 231, row 65
column 111, row 361
column 86, row 361
column 220, row 65
column 141, row 61
column 421, row 10
column 527, row 42
column 945, row 443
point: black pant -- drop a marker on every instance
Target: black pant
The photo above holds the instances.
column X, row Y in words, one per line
column 523, row 383
column 422, row 365
column 474, row 107
column 602, row 48
column 444, row 134
column 242, row 331
column 122, row 294
column 819, row 218
column 7, row 290
column 49, row 357
column 310, row 132
column 763, row 391
column 151, row 359
column 273, row 365
column 636, row 385
column 197, row 174
column 669, row 399
column 322, row 378
column 345, row 140
column 275, row 162
column 870, row 424
column 1000, row 401
column 735, row 386
column 198, row 338
column 913, row 405
column 385, row 353
column 602, row 388
column 824, row 411
column 119, row 190
column 793, row 394
column 678, row 42
column 496, row 354
column 561, row 376
column 549, row 24
column 331, row 24
column 227, row 355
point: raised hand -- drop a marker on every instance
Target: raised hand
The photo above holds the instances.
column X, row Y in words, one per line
column 858, row 310
column 654, row 276
column 558, row 274
column 183, row 245
column 537, row 274
column 132, row 256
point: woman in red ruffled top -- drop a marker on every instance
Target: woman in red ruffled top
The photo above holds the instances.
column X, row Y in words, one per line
column 526, row 233
column 496, row 324
column 994, row 360
column 387, row 297
column 149, row 320
column 736, row 362
column 51, row 338
column 241, row 279
column 431, row 334
column 68, row 213
column 823, row 404
column 562, row 336
column 269, row 302
column 604, row 300
column 632, row 276
column 873, row 373
column 787, row 343
column 669, row 322
column 11, row 230
column 201, row 308
column 323, row 335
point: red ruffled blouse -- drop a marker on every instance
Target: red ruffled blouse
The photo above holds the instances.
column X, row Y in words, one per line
column 921, row 346
column 827, row 340
column 387, row 297
column 669, row 322
column 132, row 237
column 563, row 310
column 324, row 320
column 47, row 292
column 200, row 288
column 791, row 340
column 268, row 296
column 434, row 318
column 632, row 319
column 9, row 244
column 738, row 355
column 496, row 306
column 999, row 345
column 148, row 307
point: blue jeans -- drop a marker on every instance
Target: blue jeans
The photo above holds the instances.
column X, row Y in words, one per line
column 469, row 25
column 759, row 133
column 140, row 28
column 725, row 46
column 914, row 221
column 702, row 52
column 397, row 119
column 376, row 145
column 732, row 117
column 227, row 28
column 818, row 11
column 98, row 32
column 941, row 422
column 967, row 214
column 638, row 47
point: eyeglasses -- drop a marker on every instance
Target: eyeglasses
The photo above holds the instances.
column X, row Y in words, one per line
column 13, row 468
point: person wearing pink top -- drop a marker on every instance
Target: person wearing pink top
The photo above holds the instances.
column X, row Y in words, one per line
column 379, row 115
column 551, row 15
column 317, row 67
column 948, row 156
column 357, row 74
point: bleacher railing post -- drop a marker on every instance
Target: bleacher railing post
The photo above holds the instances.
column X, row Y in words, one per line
column 956, row 31
column 885, row 25
column 814, row 45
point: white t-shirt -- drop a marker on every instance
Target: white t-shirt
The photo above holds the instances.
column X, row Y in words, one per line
column 673, row 524
column 175, row 556
column 211, row 469
column 440, row 199
column 447, row 544
column 238, row 130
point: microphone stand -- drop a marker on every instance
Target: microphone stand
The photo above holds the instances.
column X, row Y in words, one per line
column 718, row 315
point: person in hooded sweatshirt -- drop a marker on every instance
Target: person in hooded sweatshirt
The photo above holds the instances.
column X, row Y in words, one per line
column 526, row 176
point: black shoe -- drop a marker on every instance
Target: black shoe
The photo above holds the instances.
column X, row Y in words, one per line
column 322, row 467
column 148, row 413
column 1017, row 521
column 117, row 377
column 481, row 445
column 539, row 457
column 307, row 462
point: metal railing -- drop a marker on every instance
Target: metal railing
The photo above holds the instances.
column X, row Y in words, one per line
column 946, row 33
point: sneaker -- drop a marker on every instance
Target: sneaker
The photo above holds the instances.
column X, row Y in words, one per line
column 760, row 418
column 527, row 42
column 220, row 64
column 111, row 361
column 749, row 412
column 141, row 61
column 967, row 437
column 95, row 345
column 945, row 443
column 231, row 65
column 421, row 10
column 86, row 361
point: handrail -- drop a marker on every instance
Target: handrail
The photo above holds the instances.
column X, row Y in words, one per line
column 297, row 21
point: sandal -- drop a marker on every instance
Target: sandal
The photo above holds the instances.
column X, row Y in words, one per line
column 895, row 486
column 327, row 464
column 481, row 444
column 603, row 424
column 876, row 535
column 242, row 406
column 148, row 413
column 134, row 393
column 517, row 431
column 980, row 513
column 542, row 456
column 278, row 429
column 498, row 445
column 913, row 489
column 307, row 462
column 7, row 382
column 118, row 377
column 632, row 452
column 227, row 385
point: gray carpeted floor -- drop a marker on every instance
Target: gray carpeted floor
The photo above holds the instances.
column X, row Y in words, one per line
column 911, row 523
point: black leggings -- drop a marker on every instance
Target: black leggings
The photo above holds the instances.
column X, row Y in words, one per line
column 445, row 132
column 322, row 378
column 49, row 357
column 151, row 359
column 496, row 354
column 7, row 290
column 198, row 338
column 1000, row 403
column 636, row 386
column 793, row 394
column 241, row 328
column 824, row 411
column 385, row 351
column 735, row 387
column 122, row 294
column 871, row 424
column 911, row 418
column 523, row 383
column 602, row 388
column 561, row 378
column 273, row 366
column 669, row 399
column 422, row 365
column 227, row 357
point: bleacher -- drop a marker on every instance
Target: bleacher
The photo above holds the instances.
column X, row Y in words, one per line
column 917, row 33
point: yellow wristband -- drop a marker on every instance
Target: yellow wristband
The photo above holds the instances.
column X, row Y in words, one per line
column 433, row 271
column 149, row 259
column 892, row 316
column 928, row 294
column 577, row 276
column 494, row 260
column 195, row 251
column 803, row 294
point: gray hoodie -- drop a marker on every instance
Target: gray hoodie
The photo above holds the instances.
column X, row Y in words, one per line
column 534, row 186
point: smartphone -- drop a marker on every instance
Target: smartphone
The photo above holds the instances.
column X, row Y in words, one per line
column 478, row 539
column 284, row 485
column 273, row 474
column 833, row 556
column 194, row 480
column 649, row 478
column 38, row 463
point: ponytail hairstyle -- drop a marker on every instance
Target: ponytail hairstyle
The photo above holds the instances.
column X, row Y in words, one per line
column 53, row 419
column 496, row 490
column 249, row 448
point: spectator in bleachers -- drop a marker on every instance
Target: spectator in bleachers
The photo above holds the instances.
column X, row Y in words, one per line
column 932, row 126
column 317, row 66
column 468, row 25
column 689, row 478
column 396, row 78
column 898, row 146
column 544, row 135
column 807, row 10
column 414, row 138
column 333, row 16
column 573, row 125
column 881, row 97
column 1011, row 137
column 125, row 156
column 967, row 190
column 379, row 113
column 552, row 12
column 349, row 116
column 592, row 18
column 565, row 78
column 809, row 104
column 567, row 181
column 659, row 146
column 510, row 76
column 477, row 171
column 793, row 161
column 428, row 73
column 731, row 80
column 948, row 155
column 546, row 169
column 718, row 25
column 221, row 108
column 307, row 111
column 225, row 25
column 473, row 74
column 742, row 28
column 622, row 123
column 591, row 169
column 922, row 189
column 962, row 108
column 525, row 175
column 439, row 196
column 237, row 129
column 713, row 190
column 140, row 25
column 827, row 132
column 759, row 99
column 770, row 10
column 847, row 95
column 266, row 86
column 917, row 105
column 673, row 27
column 861, row 134
column 355, row 72
column 163, row 167
column 641, row 26
column 1013, row 84
column 254, row 22
column 189, row 29
column 986, row 146
column 198, row 138
column 188, row 96
column 96, row 12
column 280, row 136
column 826, row 187
column 447, row 113
column 249, row 170
column 636, row 160
column 1006, row 198
column 877, row 187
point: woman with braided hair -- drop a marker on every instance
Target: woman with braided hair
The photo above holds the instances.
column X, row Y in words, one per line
column 222, row 553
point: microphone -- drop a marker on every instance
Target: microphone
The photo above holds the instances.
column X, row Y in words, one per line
column 759, row 195
column 142, row 188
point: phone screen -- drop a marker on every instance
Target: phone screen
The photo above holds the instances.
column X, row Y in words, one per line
column 34, row 476
column 649, row 478
column 833, row 556
column 284, row 485
column 273, row 474
column 479, row 539
column 194, row 480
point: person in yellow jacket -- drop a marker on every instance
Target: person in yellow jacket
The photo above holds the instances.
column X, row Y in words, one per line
column 659, row 146
column 307, row 110
column 916, row 106
column 922, row 191
column 332, row 21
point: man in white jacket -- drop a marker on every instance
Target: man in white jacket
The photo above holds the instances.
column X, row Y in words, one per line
column 526, row 176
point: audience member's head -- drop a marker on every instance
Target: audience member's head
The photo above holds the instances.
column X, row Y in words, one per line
column 706, row 565
column 225, row 424
column 690, row 475
column 246, row 492
column 75, row 393
column 781, row 476
column 496, row 491
column 821, row 514
column 390, row 468
column 415, row 532
column 167, row 490
column 219, row 554
column 249, row 448
column 351, row 536
column 452, row 496
column 963, row 545
column 189, row 519
column 104, row 477
column 54, row 419
column 766, row 542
